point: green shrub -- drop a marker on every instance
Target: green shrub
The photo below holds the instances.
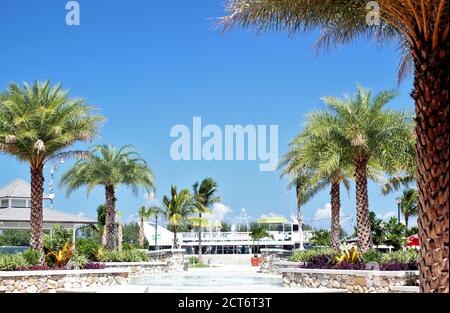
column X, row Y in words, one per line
column 79, row 260
column 401, row 256
column 87, row 247
column 31, row 256
column 306, row 255
column 58, row 239
column 193, row 260
column 372, row 255
column 10, row 262
column 126, row 256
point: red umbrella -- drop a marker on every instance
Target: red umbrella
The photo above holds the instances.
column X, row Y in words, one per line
column 413, row 241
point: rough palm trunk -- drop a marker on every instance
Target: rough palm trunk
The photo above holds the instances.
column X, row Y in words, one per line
column 119, row 236
column 200, row 238
column 300, row 220
column 175, row 241
column 110, row 217
column 362, row 206
column 104, row 235
column 36, row 216
column 430, row 93
column 335, row 216
column 141, row 233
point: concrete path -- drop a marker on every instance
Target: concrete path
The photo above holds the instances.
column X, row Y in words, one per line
column 225, row 279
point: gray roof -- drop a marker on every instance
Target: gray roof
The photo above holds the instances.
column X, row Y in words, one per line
column 17, row 189
column 50, row 216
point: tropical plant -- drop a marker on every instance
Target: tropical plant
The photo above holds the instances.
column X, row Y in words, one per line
column 371, row 137
column 10, row 262
column 321, row 237
column 394, row 234
column 37, row 124
column 144, row 215
column 306, row 255
column 402, row 256
column 258, row 232
column 408, row 204
column 12, row 237
column 56, row 239
column 372, row 255
column 31, row 256
column 87, row 247
column 79, row 260
column 421, row 28
column 204, row 197
column 131, row 234
column 133, row 255
column 177, row 208
column 109, row 167
column 62, row 256
column 348, row 256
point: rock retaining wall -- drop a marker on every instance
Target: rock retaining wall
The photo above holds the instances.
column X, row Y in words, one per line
column 364, row 281
column 173, row 258
column 272, row 260
column 141, row 268
column 49, row 281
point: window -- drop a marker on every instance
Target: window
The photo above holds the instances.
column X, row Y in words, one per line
column 4, row 203
column 15, row 203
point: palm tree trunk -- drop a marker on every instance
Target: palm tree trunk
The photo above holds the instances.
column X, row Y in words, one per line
column 141, row 233
column 335, row 216
column 175, row 241
column 110, row 217
column 430, row 93
column 36, row 216
column 119, row 236
column 362, row 206
column 200, row 238
column 104, row 235
column 300, row 220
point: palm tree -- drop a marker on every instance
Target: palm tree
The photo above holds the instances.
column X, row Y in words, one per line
column 119, row 231
column 101, row 221
column 421, row 28
column 204, row 197
column 177, row 208
column 370, row 137
column 144, row 215
column 408, row 204
column 37, row 124
column 109, row 167
column 155, row 211
column 327, row 164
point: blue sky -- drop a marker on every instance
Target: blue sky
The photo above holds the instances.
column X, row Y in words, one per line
column 149, row 65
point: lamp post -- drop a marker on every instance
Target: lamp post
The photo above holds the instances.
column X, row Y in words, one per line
column 399, row 202
column 53, row 169
column 156, row 231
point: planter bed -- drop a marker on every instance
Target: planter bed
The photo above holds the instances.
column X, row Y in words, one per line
column 140, row 268
column 357, row 281
column 49, row 281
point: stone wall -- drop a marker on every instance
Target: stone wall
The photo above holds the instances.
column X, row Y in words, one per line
column 141, row 268
column 173, row 258
column 50, row 281
column 272, row 260
column 364, row 281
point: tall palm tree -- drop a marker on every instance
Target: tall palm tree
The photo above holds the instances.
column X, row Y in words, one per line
column 177, row 208
column 421, row 28
column 37, row 124
column 144, row 215
column 119, row 231
column 109, row 167
column 408, row 204
column 204, row 197
column 371, row 136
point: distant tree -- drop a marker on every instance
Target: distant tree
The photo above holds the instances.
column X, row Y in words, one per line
column 376, row 226
column 10, row 237
column 131, row 234
column 394, row 233
column 225, row 227
column 321, row 237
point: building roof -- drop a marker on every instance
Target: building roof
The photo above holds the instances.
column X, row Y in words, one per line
column 50, row 216
column 18, row 188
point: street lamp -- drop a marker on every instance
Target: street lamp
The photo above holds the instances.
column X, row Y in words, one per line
column 399, row 202
column 53, row 169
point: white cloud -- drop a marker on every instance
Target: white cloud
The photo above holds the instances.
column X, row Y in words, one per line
column 271, row 214
column 218, row 212
column 389, row 214
column 323, row 213
column 81, row 214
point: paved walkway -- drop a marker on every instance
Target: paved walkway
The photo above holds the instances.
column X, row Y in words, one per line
column 224, row 279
